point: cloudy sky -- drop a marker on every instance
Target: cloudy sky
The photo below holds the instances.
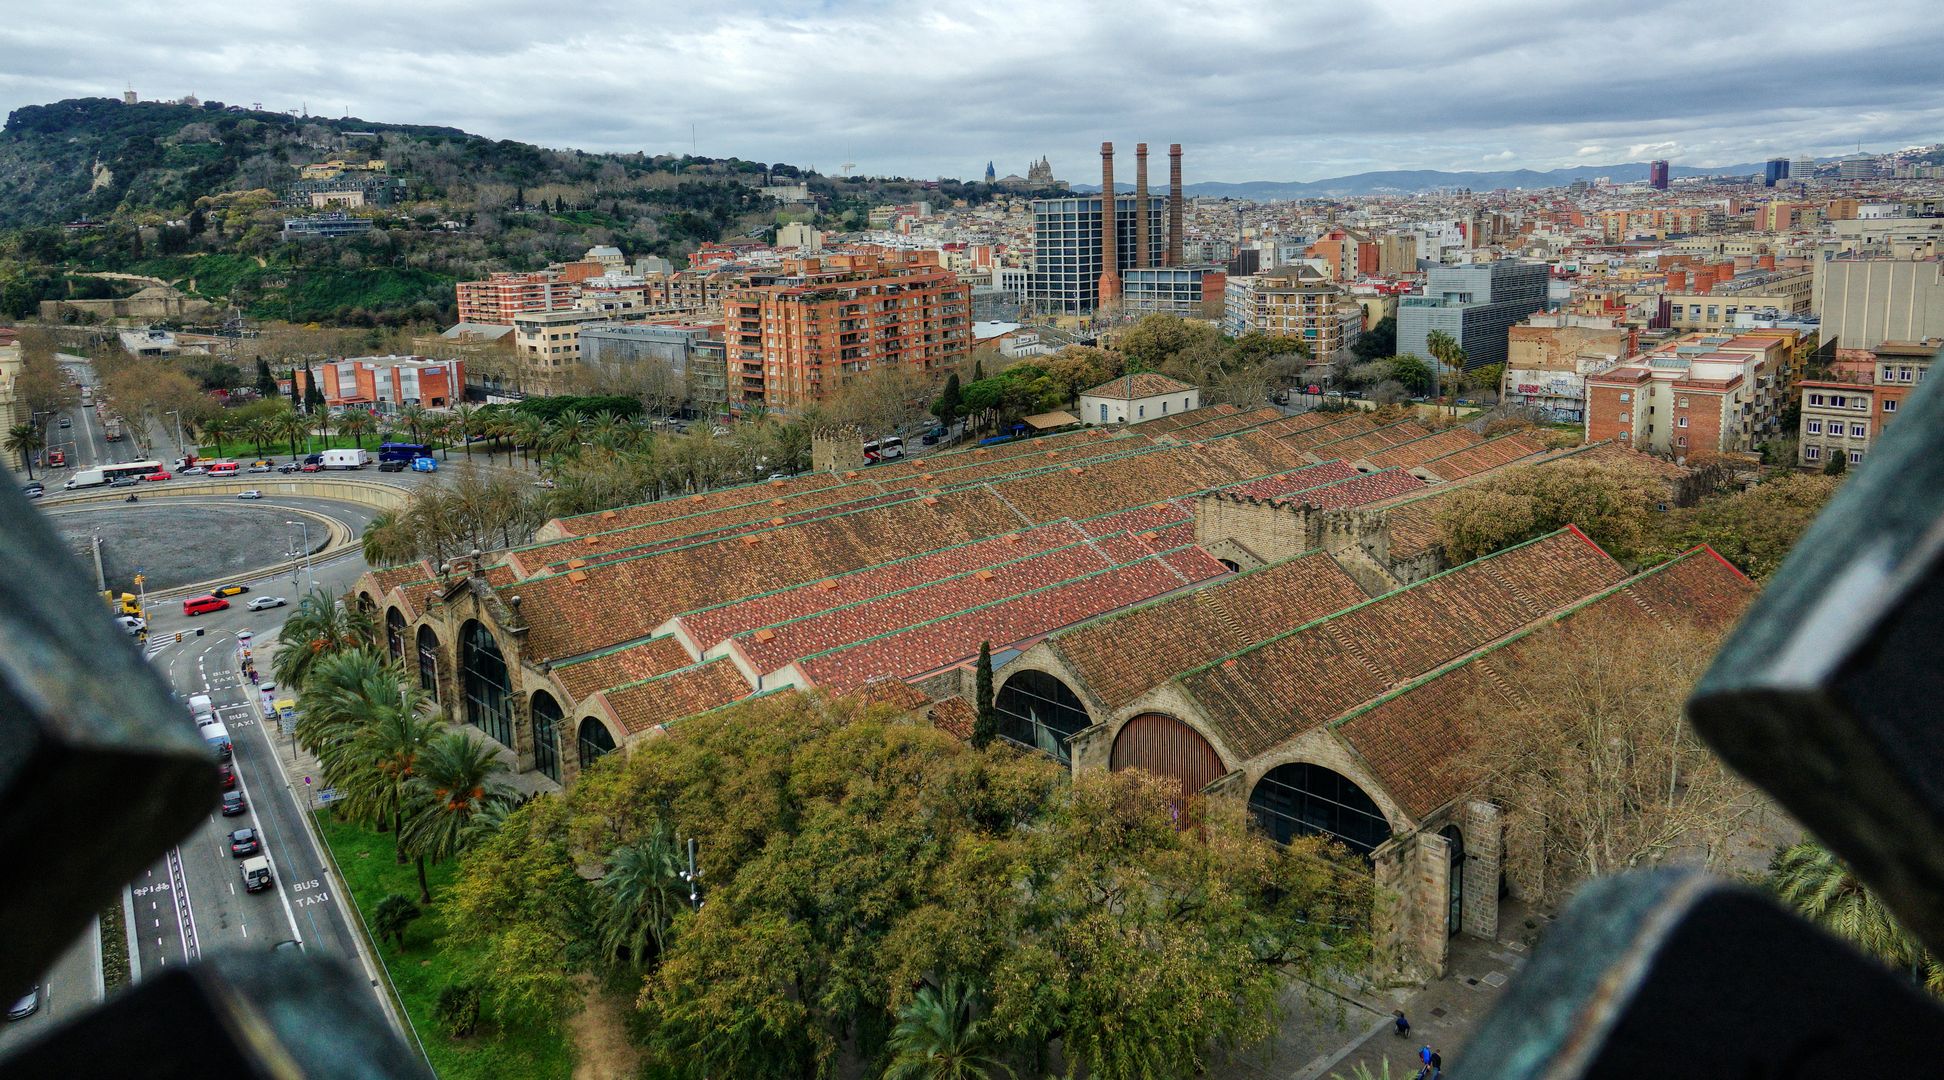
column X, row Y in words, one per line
column 1276, row 90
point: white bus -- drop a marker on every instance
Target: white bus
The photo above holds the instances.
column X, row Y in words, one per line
column 884, row 449
column 108, row 474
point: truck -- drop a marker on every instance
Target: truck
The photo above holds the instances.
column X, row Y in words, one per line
column 111, row 428
column 85, row 478
column 425, row 464
column 345, row 459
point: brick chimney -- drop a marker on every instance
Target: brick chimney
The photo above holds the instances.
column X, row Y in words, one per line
column 1110, row 283
column 1174, row 205
column 1143, row 252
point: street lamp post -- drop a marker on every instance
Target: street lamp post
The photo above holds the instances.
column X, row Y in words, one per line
column 308, row 575
column 181, row 447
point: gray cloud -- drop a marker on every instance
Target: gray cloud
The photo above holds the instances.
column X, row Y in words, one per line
column 1255, row 91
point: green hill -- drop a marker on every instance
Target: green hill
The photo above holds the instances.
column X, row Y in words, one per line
column 186, row 192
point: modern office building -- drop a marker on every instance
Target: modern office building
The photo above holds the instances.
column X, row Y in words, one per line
column 1868, row 299
column 1657, row 175
column 1477, row 305
column 691, row 355
column 1777, row 169
column 1078, row 264
column 1191, row 292
column 794, row 336
column 328, row 226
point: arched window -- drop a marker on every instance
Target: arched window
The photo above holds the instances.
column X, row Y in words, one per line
column 395, row 632
column 546, row 735
column 595, row 741
column 1038, row 710
column 1299, row 798
column 482, row 674
column 428, row 661
column 1165, row 746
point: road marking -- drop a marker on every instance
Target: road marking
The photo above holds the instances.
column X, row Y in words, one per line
column 276, row 875
column 185, row 913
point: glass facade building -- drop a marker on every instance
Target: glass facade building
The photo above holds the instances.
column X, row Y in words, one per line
column 1477, row 305
column 1066, row 249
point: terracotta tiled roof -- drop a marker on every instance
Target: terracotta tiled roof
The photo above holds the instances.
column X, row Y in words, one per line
column 1414, row 526
column 1171, row 421
column 1119, row 657
column 1014, row 621
column 1146, row 384
column 667, row 698
column 1414, row 738
column 955, row 716
column 771, row 647
column 1344, row 426
column 1489, row 454
column 1356, row 490
column 1419, row 451
column 1209, row 427
column 680, row 506
column 1270, row 692
column 623, row 664
column 899, row 695
column 709, row 626
column 1356, row 446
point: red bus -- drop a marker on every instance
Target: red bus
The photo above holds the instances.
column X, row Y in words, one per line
column 224, row 468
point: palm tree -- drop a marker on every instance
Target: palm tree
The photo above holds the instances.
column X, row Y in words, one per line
column 604, row 430
column 467, row 417
column 357, row 423
column 456, row 778
column 394, row 731
column 261, row 430
column 387, row 540
column 322, row 624
column 26, row 440
column 940, row 1037
column 531, row 433
column 293, row 426
column 329, row 702
column 1445, row 349
column 325, row 421
column 645, row 891
column 215, row 427
column 1821, row 888
column 568, row 430
column 413, row 417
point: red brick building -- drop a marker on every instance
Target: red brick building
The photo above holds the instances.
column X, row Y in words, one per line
column 1845, row 412
column 1702, row 393
column 797, row 335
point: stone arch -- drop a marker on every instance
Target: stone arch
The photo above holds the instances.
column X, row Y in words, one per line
column 547, row 722
column 395, row 633
column 1300, row 798
column 428, row 661
column 596, row 741
column 485, row 682
column 1038, row 709
column 1167, row 746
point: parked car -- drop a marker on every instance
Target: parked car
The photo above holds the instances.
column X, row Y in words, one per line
column 159, row 474
column 288, row 467
column 264, row 467
column 229, row 590
column 250, row 494
column 26, row 1006
column 391, row 466
column 244, row 842
column 233, row 803
column 311, row 466
column 265, row 603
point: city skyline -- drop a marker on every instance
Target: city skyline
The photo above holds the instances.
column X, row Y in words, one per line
column 1257, row 94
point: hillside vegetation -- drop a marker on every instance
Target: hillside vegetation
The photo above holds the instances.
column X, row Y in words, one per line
column 192, row 194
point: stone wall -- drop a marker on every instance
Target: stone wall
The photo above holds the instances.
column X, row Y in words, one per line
column 837, row 450
column 1482, row 834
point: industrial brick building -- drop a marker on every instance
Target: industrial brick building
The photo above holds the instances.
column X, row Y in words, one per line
column 793, row 337
column 1253, row 605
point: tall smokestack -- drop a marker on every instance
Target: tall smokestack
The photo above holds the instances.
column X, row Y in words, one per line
column 1143, row 253
column 1109, row 231
column 1174, row 204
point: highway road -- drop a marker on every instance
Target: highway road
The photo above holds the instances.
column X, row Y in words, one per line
column 65, row 992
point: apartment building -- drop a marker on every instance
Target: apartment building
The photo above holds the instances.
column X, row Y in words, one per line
column 1549, row 356
column 1696, row 394
column 547, row 347
column 503, row 296
column 1845, row 411
column 793, row 337
column 1296, row 303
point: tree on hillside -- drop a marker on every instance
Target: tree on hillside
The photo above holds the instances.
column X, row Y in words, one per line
column 1614, row 504
column 1592, row 758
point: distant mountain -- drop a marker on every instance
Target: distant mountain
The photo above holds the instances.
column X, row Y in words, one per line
column 1412, row 181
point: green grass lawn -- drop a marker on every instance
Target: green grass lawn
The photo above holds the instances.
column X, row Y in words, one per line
column 426, row 965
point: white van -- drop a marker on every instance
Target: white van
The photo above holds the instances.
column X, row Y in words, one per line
column 202, row 708
column 217, row 736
